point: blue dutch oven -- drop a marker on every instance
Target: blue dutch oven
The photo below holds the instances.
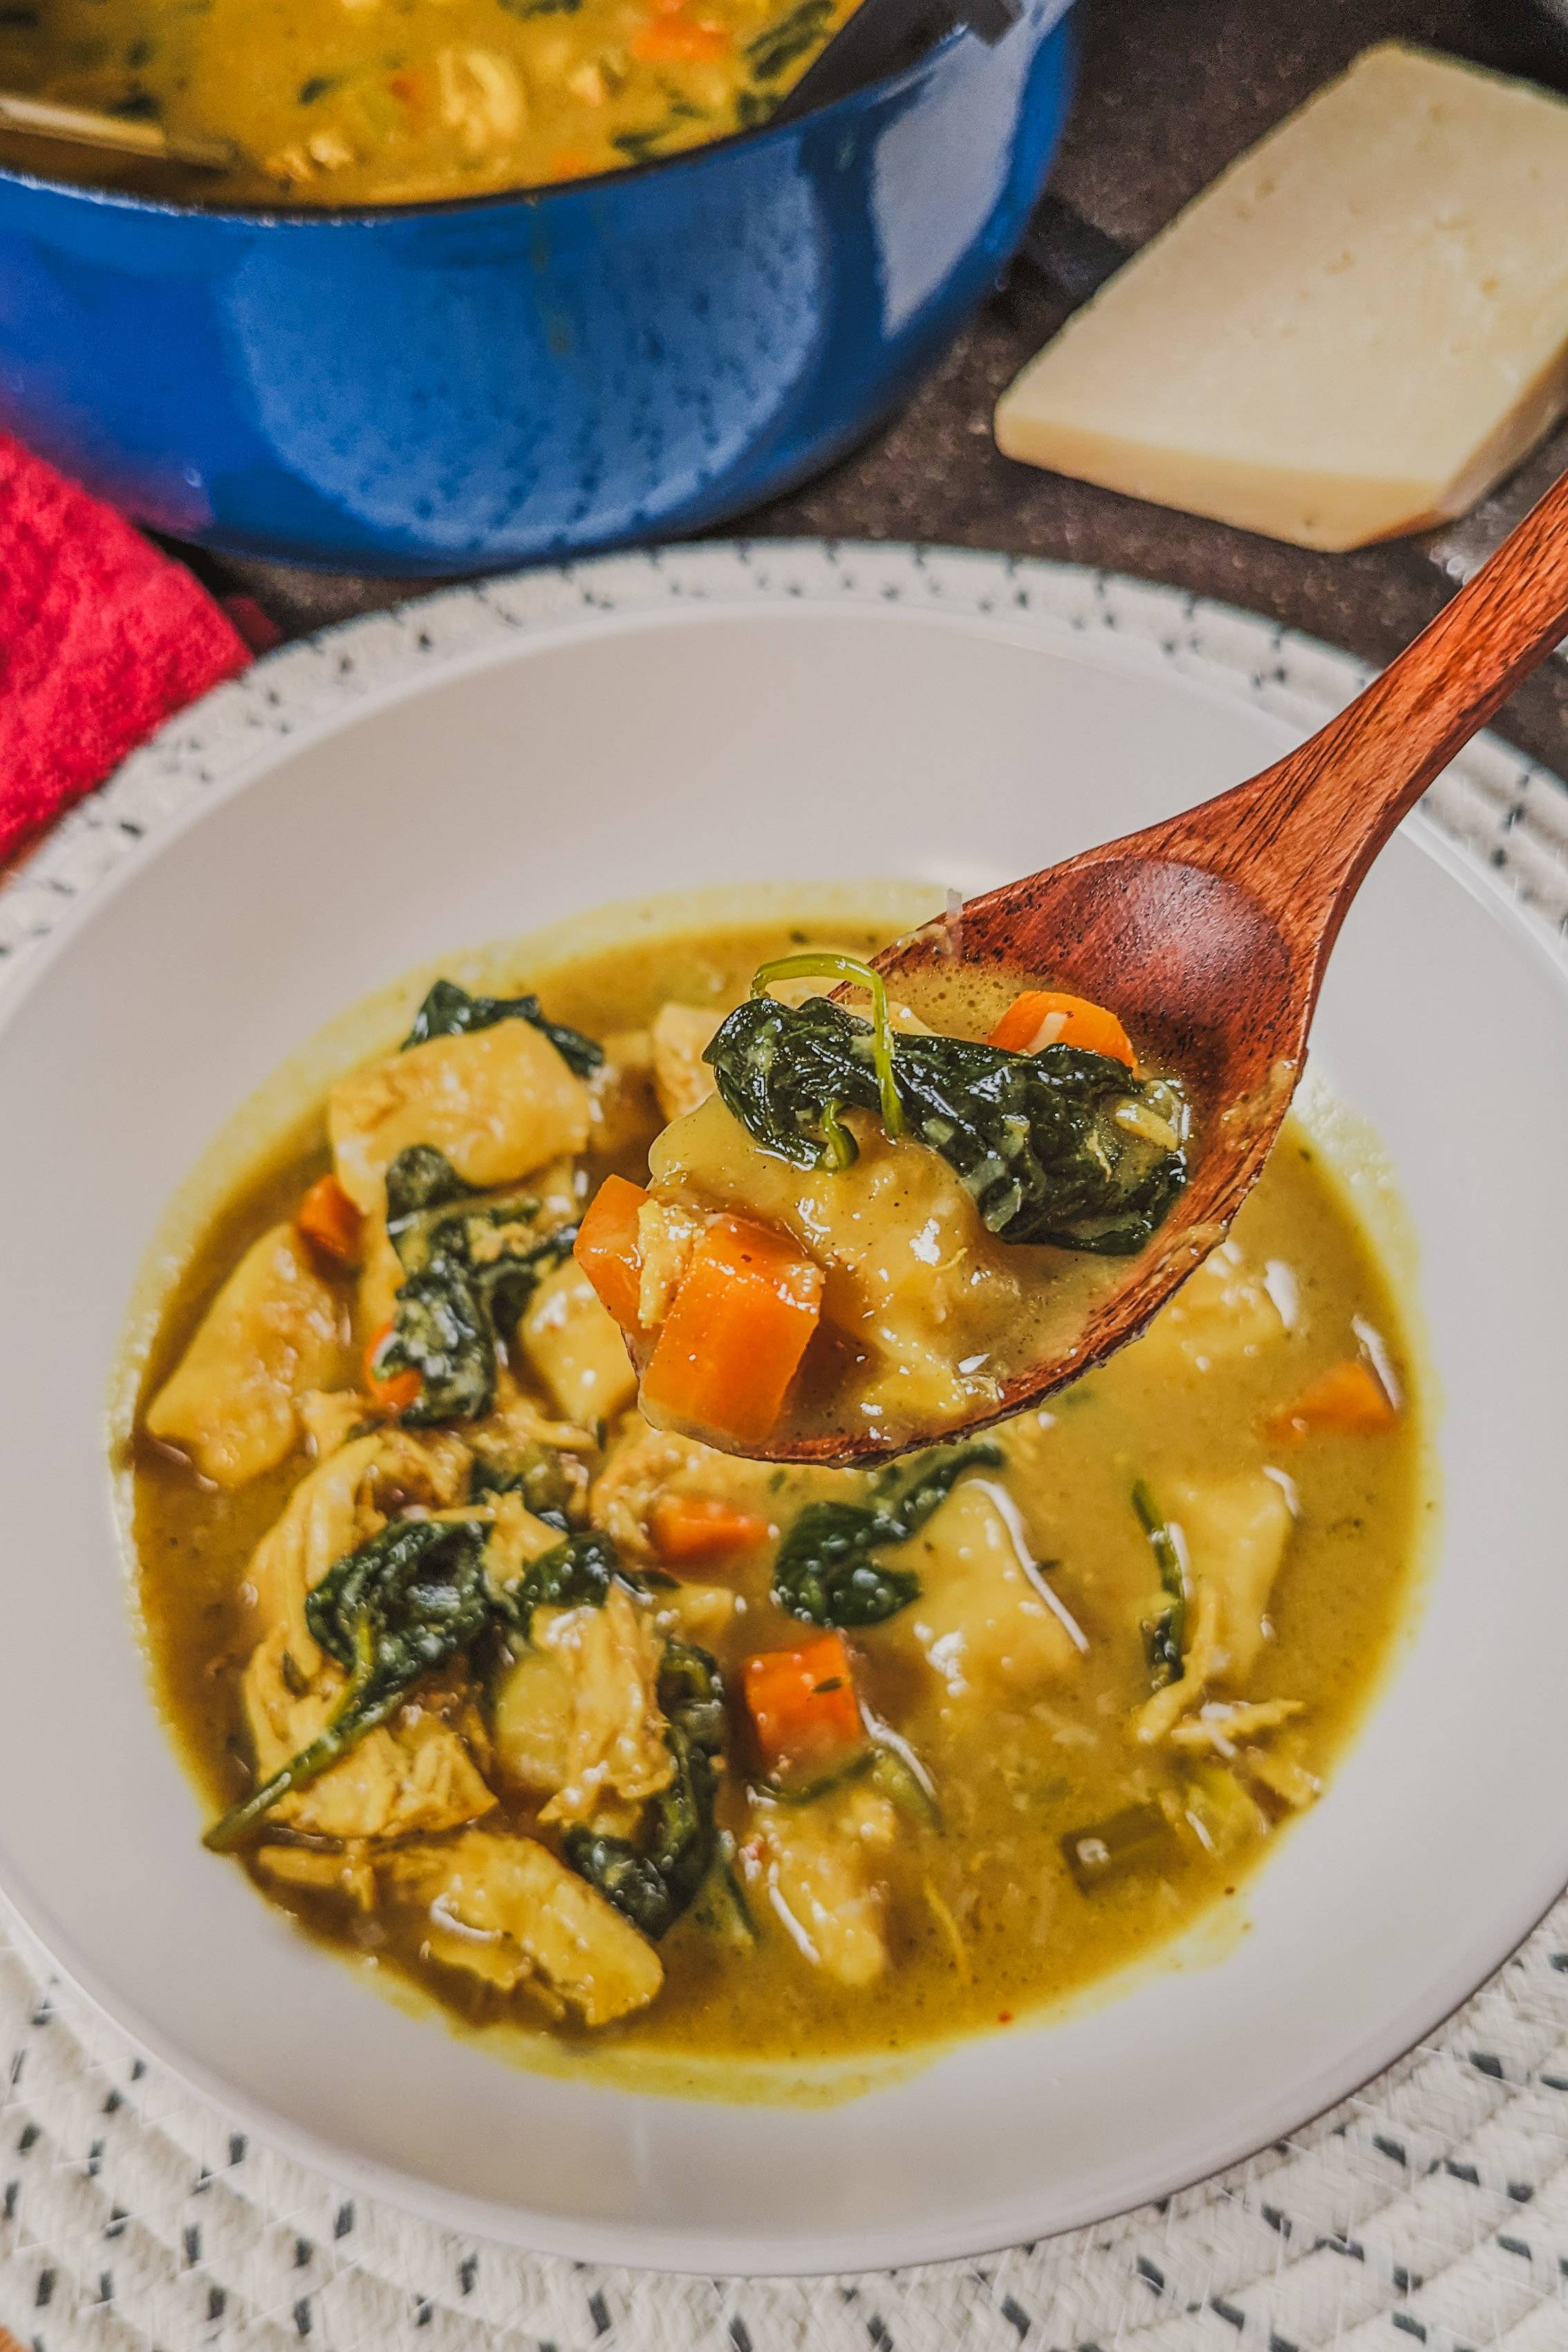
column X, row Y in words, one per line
column 451, row 387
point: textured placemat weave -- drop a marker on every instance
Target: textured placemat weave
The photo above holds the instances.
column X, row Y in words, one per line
column 1430, row 2209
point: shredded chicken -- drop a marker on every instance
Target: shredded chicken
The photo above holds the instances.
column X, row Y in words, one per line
column 1236, row 1531
column 506, row 1909
column 666, row 1235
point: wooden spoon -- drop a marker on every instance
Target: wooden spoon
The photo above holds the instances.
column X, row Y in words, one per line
column 1209, row 933
column 84, row 126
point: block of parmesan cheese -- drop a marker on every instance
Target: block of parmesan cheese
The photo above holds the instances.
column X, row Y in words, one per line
column 1353, row 333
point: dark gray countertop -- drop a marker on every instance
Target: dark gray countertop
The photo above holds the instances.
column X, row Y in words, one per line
column 1170, row 91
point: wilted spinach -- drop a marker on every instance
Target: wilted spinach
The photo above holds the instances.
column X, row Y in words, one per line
column 1033, row 1138
column 450, row 1010
column 408, row 1600
column 790, row 38
column 655, row 1880
column 470, row 1261
column 415, row 1596
column 578, row 1573
column 1165, row 1633
column 827, row 1570
column 534, row 1471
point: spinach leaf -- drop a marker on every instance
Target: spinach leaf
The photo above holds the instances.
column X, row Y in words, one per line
column 441, row 1330
column 410, row 1600
column 470, row 1263
column 578, row 1573
column 655, row 1879
column 790, row 38
column 450, row 1010
column 1165, row 1633
column 1033, row 1138
column 533, row 1471
column 827, row 1570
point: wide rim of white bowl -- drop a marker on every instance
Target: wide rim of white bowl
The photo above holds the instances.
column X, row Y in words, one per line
column 1497, row 822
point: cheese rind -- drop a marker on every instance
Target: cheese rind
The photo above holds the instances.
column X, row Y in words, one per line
column 1355, row 331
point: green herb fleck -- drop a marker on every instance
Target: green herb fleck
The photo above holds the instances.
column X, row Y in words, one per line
column 1165, row 1633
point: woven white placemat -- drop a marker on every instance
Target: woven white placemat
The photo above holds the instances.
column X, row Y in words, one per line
column 1430, row 2209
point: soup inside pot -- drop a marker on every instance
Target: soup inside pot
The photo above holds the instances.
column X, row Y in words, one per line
column 404, row 101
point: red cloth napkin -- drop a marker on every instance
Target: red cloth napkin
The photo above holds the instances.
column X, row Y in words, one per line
column 101, row 639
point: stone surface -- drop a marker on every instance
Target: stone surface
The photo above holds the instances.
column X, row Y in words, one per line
column 1171, row 91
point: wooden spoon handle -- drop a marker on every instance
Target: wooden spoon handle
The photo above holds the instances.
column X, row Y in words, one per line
column 1302, row 834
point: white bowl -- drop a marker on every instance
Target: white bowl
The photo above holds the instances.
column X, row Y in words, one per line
column 607, row 754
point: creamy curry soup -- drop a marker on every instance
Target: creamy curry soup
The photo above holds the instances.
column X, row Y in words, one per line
column 586, row 1728
column 398, row 102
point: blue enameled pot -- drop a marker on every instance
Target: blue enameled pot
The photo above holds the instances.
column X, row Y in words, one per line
column 457, row 386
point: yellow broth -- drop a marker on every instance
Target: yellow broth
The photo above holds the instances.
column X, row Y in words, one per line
column 982, row 1917
column 404, row 101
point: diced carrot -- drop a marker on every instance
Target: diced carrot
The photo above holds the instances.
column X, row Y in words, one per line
column 1044, row 1016
column 1349, row 1398
column 329, row 1219
column 737, row 1328
column 606, row 1247
column 803, row 1706
column 703, row 1527
column 675, row 43
column 394, row 1390
column 570, row 164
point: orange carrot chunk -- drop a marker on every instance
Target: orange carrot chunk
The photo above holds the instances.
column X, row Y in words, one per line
column 674, row 43
column 1349, row 1398
column 737, row 1328
column 1044, row 1016
column 802, row 1707
column 391, row 1392
column 702, row 1526
column 606, row 1247
column 329, row 1220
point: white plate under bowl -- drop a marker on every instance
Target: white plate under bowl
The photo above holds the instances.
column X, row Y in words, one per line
column 500, row 758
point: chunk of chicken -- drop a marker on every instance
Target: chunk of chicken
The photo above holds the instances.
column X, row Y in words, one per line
column 480, row 97
column 910, row 1269
column 1236, row 1531
column 413, row 1774
column 510, row 1910
column 817, row 1863
column 347, row 1872
column 578, row 1717
column 986, row 1617
column 326, row 1417
column 274, row 1331
column 1224, row 1314
column 680, row 1035
column 499, row 1102
column 575, row 1345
